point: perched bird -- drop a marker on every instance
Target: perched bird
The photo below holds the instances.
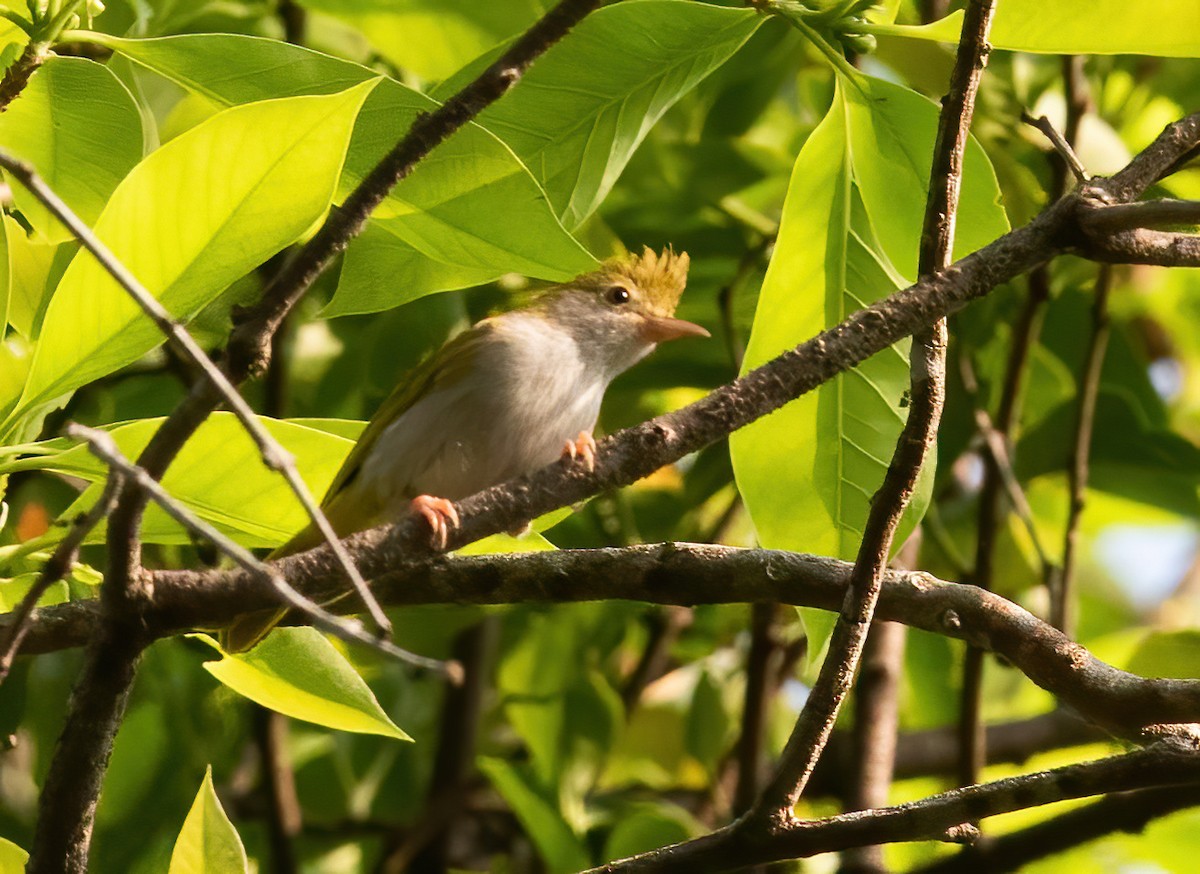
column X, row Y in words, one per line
column 506, row 397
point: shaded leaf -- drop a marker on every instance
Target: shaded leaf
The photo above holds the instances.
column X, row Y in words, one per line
column 208, row 843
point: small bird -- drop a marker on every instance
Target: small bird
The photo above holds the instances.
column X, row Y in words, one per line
column 504, row 398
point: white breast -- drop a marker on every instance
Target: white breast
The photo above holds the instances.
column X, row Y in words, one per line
column 528, row 393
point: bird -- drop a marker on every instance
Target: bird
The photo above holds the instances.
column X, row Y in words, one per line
column 513, row 393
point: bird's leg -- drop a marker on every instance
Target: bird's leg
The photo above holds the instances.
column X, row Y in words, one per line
column 439, row 513
column 582, row 447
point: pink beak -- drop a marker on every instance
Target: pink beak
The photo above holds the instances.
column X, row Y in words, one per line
column 656, row 329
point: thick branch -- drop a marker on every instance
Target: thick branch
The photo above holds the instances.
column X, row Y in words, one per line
column 685, row 575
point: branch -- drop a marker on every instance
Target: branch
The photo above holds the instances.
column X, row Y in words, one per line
column 941, row 817
column 684, row 575
column 1061, row 145
column 1062, row 607
column 1122, row 812
column 1144, row 246
column 1143, row 214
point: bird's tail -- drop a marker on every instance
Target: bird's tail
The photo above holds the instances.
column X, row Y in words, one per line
column 248, row 630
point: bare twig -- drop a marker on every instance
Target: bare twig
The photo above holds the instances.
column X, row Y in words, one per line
column 941, row 817
column 1121, row 812
column 1064, row 148
column 57, row 567
column 757, row 699
column 1158, row 213
column 996, row 441
column 105, row 448
column 1062, row 608
column 1145, row 246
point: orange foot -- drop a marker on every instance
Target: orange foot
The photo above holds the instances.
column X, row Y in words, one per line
column 582, row 447
column 439, row 513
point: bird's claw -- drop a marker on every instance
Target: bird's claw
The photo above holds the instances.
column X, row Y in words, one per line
column 582, row 448
column 441, row 516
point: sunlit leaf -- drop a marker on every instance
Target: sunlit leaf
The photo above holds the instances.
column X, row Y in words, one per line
column 218, row 474
column 189, row 220
column 1102, row 27
column 579, row 113
column 468, row 213
column 208, row 843
column 80, row 129
column 12, row 857
column 299, row 673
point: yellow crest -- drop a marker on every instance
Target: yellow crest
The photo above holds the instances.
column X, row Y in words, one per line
column 660, row 277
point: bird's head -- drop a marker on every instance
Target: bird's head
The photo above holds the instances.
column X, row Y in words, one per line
column 620, row 311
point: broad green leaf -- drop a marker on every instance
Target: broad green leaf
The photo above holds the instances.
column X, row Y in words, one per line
column 30, row 267
column 853, row 213
column 561, row 850
column 190, row 219
column 80, row 129
column 208, row 843
column 12, row 857
column 218, row 474
column 468, row 213
column 299, row 673
column 579, row 113
column 5, row 274
column 1173, row 654
column 15, row 359
column 645, row 827
column 13, row 591
column 432, row 38
column 1102, row 27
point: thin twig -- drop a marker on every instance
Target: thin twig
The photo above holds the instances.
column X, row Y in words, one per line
column 1064, row 149
column 1062, row 606
column 760, row 670
column 58, row 566
column 996, row 441
column 1128, row 812
column 274, row 455
column 940, row 817
column 105, row 448
column 1162, row 212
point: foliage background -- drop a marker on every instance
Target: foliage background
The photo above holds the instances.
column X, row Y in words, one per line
column 657, row 122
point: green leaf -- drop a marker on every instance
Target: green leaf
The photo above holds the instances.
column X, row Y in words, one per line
column 432, row 38
column 30, row 267
column 218, row 474
column 13, row 591
column 467, row 214
column 853, row 212
column 561, row 849
column 579, row 113
column 80, row 129
column 1102, row 27
column 1174, row 654
column 190, row 219
column 12, row 857
column 646, row 827
column 208, row 843
column 299, row 673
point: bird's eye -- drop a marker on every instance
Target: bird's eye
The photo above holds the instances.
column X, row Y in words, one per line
column 617, row 294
